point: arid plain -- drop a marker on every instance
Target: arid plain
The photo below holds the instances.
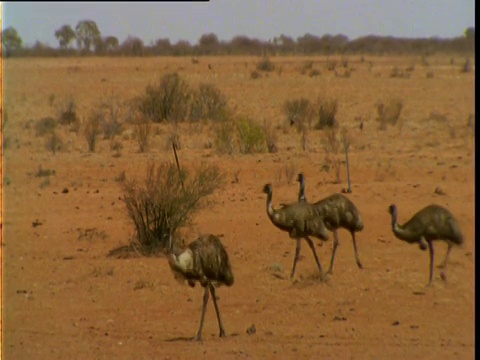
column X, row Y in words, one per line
column 64, row 298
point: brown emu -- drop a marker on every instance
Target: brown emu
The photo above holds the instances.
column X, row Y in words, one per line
column 337, row 211
column 300, row 221
column 204, row 260
column 433, row 222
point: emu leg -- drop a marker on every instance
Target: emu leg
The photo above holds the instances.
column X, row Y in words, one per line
column 357, row 258
column 312, row 246
column 204, row 308
column 217, row 310
column 297, row 255
column 430, row 248
column 444, row 263
column 334, row 250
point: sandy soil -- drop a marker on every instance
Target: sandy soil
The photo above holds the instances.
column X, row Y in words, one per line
column 64, row 298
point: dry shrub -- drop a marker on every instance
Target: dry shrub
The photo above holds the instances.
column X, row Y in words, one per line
column 111, row 123
column 224, row 140
column 389, row 114
column 265, row 64
column 165, row 101
column 298, row 112
column 290, row 170
column 142, row 132
column 313, row 73
column 326, row 112
column 207, row 102
column 165, row 201
column 255, row 74
column 270, row 136
column 332, row 146
column 54, row 142
column 92, row 130
column 45, row 126
column 331, row 65
column 398, row 73
column 67, row 112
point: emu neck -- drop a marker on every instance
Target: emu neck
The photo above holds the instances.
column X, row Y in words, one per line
column 269, row 205
column 399, row 231
column 301, row 192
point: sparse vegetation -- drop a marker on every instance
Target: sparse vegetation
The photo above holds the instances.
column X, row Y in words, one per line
column 298, row 112
column 166, row 100
column 270, row 136
column 332, row 146
column 389, row 114
column 45, row 126
column 326, row 111
column 251, row 136
column 208, row 103
column 265, row 64
column 92, row 130
column 255, row 74
column 224, row 140
column 165, row 201
column 54, row 142
column 67, row 112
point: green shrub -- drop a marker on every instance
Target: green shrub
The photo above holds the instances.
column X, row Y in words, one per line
column 251, row 136
column 165, row 201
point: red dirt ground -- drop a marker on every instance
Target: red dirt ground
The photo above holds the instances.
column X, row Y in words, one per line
column 64, row 298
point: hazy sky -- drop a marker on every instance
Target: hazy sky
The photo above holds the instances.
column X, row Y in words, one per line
column 261, row 19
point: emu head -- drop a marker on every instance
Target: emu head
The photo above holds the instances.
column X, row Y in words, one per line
column 267, row 189
column 300, row 177
column 392, row 209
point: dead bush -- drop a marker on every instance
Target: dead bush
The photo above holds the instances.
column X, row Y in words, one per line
column 389, row 114
column 165, row 201
column 326, row 111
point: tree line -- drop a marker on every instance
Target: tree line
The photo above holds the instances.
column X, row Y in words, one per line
column 89, row 41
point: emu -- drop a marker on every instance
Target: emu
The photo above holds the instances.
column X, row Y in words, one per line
column 337, row 211
column 431, row 223
column 300, row 221
column 205, row 260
